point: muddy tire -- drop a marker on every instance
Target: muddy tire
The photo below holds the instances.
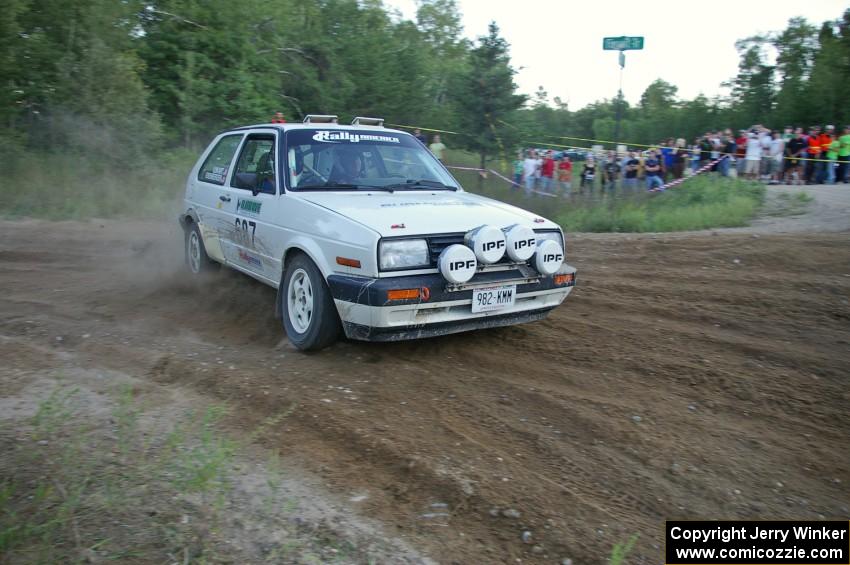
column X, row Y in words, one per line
column 197, row 259
column 307, row 308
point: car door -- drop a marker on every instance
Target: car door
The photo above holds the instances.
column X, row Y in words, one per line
column 209, row 195
column 248, row 239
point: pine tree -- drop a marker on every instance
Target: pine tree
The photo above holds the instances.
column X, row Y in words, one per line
column 486, row 96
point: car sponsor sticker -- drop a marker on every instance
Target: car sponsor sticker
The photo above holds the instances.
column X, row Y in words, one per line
column 248, row 207
column 493, row 298
column 431, row 203
column 326, row 136
column 250, row 259
column 218, row 174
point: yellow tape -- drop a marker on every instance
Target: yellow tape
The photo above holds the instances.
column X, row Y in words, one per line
column 426, row 129
column 656, row 146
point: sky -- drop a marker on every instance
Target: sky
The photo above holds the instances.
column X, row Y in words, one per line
column 557, row 44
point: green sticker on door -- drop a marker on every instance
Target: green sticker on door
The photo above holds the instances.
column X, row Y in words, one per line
column 248, row 207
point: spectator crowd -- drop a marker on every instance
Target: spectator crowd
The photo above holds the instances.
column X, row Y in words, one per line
column 792, row 156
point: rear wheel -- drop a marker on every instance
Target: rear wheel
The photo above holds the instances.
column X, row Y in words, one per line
column 196, row 254
column 307, row 307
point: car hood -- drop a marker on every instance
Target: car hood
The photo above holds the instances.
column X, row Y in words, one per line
column 421, row 212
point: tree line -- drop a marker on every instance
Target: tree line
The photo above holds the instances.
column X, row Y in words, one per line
column 128, row 77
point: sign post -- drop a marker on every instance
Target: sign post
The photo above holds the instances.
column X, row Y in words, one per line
column 622, row 44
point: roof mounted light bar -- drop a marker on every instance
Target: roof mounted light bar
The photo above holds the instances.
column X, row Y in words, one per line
column 361, row 121
column 320, row 119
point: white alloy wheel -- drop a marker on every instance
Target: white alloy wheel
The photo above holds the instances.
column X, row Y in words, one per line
column 299, row 298
column 194, row 252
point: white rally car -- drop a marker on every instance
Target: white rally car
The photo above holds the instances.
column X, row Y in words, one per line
column 361, row 229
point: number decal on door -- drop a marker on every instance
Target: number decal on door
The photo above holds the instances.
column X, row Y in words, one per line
column 243, row 227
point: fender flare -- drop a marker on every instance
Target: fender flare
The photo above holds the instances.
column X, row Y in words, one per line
column 309, row 248
column 187, row 217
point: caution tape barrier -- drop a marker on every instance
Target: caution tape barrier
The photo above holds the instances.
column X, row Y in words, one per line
column 677, row 182
column 499, row 175
column 601, row 141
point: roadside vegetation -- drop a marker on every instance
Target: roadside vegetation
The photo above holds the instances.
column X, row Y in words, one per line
column 67, row 186
column 60, row 187
column 92, row 479
column 705, row 202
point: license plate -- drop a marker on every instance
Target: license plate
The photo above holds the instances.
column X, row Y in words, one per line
column 493, row 298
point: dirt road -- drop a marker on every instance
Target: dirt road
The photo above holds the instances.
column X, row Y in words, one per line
column 686, row 377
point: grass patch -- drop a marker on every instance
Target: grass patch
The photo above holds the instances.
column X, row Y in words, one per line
column 700, row 203
column 705, row 202
column 789, row 204
column 91, row 479
column 621, row 550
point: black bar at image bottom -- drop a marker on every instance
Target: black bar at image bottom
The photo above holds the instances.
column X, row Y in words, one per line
column 757, row 542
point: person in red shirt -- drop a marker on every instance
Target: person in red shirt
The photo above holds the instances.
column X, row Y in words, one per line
column 741, row 151
column 813, row 153
column 547, row 171
column 278, row 118
column 565, row 175
column 825, row 140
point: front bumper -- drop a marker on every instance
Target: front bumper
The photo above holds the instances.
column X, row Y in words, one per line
column 366, row 313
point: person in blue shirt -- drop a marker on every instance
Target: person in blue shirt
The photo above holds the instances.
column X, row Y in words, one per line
column 652, row 167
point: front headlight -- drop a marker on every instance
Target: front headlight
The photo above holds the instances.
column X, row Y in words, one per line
column 553, row 235
column 403, row 254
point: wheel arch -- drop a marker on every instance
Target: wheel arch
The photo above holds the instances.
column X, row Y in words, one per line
column 298, row 247
column 188, row 218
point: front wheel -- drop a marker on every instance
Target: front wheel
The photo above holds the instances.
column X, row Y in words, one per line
column 307, row 308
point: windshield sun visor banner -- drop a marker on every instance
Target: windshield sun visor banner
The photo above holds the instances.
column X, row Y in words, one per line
column 331, row 136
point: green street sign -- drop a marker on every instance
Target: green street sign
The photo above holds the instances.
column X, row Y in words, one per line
column 622, row 43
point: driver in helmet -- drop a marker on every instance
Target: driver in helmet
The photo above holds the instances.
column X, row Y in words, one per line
column 346, row 169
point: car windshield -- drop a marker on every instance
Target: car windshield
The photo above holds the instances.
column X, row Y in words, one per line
column 362, row 159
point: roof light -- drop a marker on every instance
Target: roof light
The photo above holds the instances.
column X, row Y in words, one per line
column 361, row 121
column 320, row 119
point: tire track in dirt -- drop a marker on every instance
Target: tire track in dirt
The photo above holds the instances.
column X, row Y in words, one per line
column 681, row 384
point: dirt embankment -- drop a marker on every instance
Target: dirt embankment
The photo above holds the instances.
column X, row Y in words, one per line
column 686, row 377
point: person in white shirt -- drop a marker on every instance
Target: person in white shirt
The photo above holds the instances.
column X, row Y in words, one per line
column 753, row 156
column 539, row 168
column 765, row 138
column 529, row 170
column 776, row 151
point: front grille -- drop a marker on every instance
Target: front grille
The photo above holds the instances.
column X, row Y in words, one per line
column 437, row 243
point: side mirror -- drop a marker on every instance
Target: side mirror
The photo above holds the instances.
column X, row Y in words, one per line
column 247, row 181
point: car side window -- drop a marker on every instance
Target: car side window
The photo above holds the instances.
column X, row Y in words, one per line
column 214, row 170
column 255, row 168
